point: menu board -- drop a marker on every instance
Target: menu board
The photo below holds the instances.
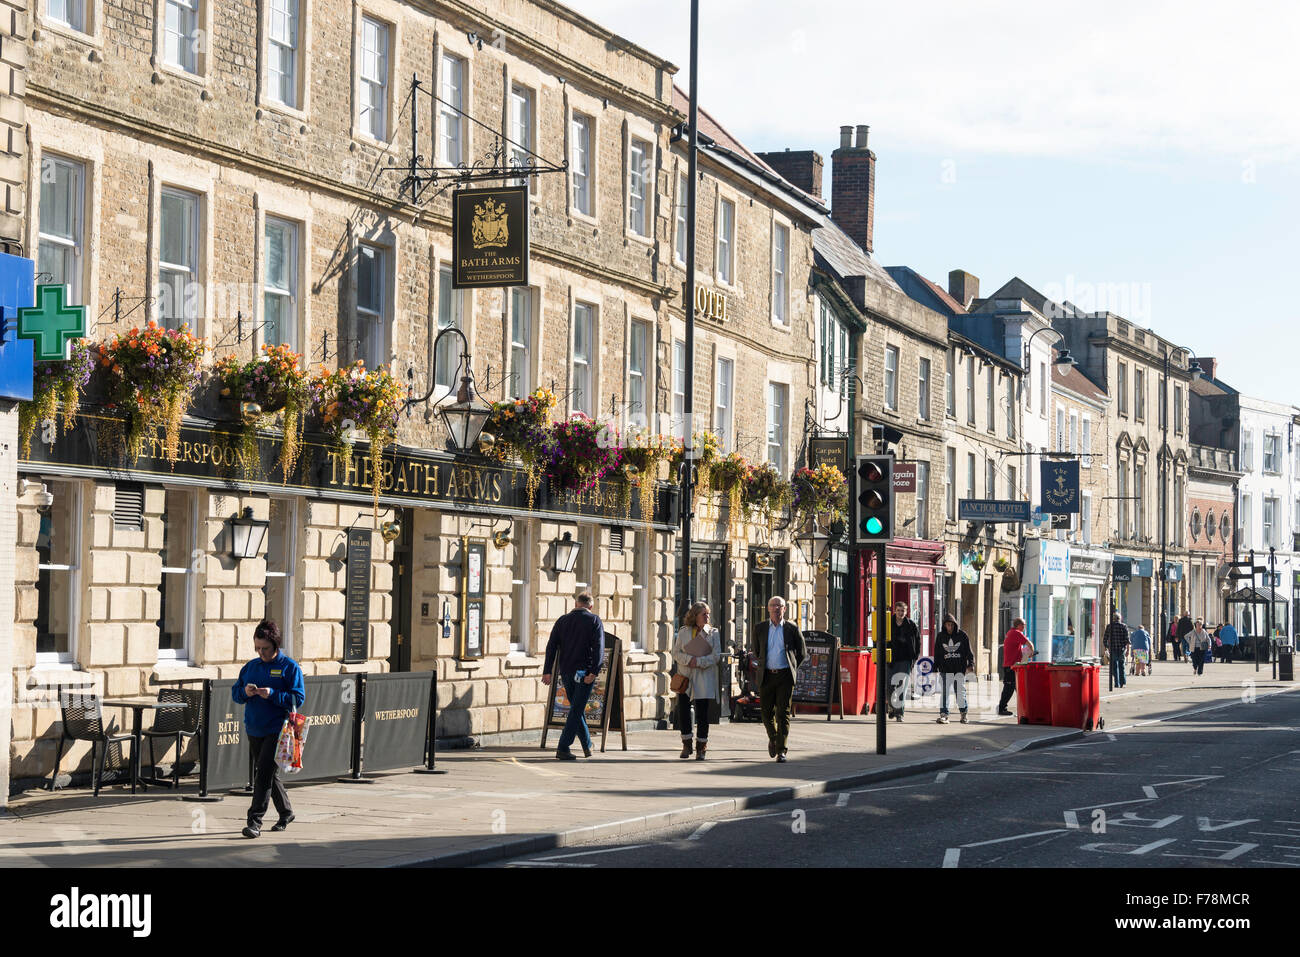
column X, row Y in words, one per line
column 817, row 680
column 356, row 617
column 604, row 710
column 473, row 558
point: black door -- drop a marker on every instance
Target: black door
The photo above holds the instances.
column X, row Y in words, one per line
column 399, row 626
column 708, row 582
column 766, row 579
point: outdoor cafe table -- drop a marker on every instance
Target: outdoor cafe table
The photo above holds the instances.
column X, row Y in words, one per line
column 138, row 707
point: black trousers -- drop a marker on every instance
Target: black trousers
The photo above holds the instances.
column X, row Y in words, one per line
column 1198, row 660
column 684, row 704
column 267, row 785
column 1008, row 687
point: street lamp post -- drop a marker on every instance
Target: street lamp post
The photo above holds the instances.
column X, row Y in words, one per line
column 688, row 305
column 1194, row 370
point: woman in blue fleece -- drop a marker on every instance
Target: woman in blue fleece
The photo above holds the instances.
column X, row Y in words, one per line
column 268, row 687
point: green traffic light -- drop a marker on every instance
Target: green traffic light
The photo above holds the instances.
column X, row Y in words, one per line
column 873, row 526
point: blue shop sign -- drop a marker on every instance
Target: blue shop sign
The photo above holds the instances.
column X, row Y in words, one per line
column 17, row 357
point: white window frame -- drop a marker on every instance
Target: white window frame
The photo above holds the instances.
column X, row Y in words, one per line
column 724, row 260
column 296, row 51
column 776, row 451
column 922, row 498
column 950, row 483
column 585, row 366
column 970, row 391
column 781, row 274
column 678, row 386
column 198, row 16
column 891, row 378
column 641, row 627
column 639, row 380
column 192, row 271
column 373, row 122
column 453, row 105
column 679, row 236
column 970, row 475
column 1085, row 432
column 724, row 399
column 923, row 392
column 1121, row 382
column 74, row 532
column 1178, row 409
column 950, row 384
column 1268, row 518
column 1060, row 429
column 1011, row 408
column 640, row 183
column 1139, row 395
column 379, row 321
column 454, row 315
column 286, row 616
column 1248, row 450
column 523, row 134
column 519, row 347
column 86, row 16
column 990, row 401
column 182, row 655
column 582, row 161
column 521, row 589
column 76, row 242
column 990, row 479
column 293, row 231
column 1085, row 517
column 1276, row 440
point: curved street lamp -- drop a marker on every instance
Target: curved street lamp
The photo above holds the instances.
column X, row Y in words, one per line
column 465, row 417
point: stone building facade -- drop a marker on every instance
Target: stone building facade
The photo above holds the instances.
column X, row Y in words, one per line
column 1212, row 486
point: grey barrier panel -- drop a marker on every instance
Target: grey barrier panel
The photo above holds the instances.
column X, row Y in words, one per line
column 225, row 741
column 396, row 720
column 331, row 708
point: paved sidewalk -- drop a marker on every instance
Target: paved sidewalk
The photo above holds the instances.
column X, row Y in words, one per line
column 504, row 801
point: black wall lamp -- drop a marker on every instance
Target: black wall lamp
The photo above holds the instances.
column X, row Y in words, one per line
column 566, row 553
column 246, row 535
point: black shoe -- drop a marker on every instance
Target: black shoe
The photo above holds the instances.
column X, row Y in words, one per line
column 586, row 751
column 1004, row 713
column 565, row 756
column 251, row 831
column 780, row 759
column 284, row 822
column 771, row 749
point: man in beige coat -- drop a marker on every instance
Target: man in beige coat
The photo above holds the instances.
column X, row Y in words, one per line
column 779, row 649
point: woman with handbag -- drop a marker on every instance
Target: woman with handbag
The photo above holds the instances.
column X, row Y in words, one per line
column 697, row 651
column 269, row 687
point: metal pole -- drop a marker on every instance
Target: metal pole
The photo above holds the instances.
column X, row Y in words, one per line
column 688, row 307
column 415, row 136
column 1254, row 615
column 852, row 596
column 1164, row 451
column 1272, row 577
column 882, row 651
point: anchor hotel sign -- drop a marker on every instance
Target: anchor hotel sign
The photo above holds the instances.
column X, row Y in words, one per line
column 489, row 229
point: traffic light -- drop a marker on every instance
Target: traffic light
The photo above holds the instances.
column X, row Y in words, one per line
column 875, row 494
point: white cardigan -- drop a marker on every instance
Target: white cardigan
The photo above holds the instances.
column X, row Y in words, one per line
column 704, row 676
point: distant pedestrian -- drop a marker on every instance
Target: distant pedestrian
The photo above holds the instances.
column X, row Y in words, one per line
column 577, row 648
column 1140, row 641
column 953, row 654
column 1016, row 648
column 269, row 687
column 779, row 650
column 1117, row 643
column 697, row 651
column 1228, row 635
column 904, row 646
column 1200, row 643
column 1185, row 626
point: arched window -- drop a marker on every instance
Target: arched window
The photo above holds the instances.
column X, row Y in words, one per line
column 1209, row 526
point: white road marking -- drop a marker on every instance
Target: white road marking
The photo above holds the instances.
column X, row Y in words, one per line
column 1203, row 777
column 951, row 856
column 1052, row 772
column 892, row 787
column 546, row 864
column 842, row 800
column 1015, row 837
column 603, row 850
column 703, row 829
column 1149, row 791
column 940, row 777
column 531, row 766
column 1071, row 820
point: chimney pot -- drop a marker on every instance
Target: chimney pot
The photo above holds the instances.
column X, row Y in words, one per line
column 846, row 137
column 861, row 143
column 963, row 287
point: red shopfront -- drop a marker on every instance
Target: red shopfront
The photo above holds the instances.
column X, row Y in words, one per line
column 910, row 570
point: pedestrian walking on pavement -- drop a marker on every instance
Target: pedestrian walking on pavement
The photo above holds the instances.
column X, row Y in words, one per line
column 1140, row 641
column 953, row 654
column 1016, row 648
column 697, row 650
column 269, row 687
column 577, row 648
column 1200, row 642
column 904, row 647
column 1117, row 643
column 1228, row 636
column 1173, row 640
column 1185, row 627
column 779, row 650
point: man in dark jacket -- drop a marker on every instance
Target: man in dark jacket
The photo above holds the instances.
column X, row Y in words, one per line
column 953, row 658
column 779, row 650
column 904, row 646
column 1185, row 628
column 1116, row 641
column 578, row 642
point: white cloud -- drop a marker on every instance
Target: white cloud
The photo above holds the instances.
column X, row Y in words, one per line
column 1000, row 76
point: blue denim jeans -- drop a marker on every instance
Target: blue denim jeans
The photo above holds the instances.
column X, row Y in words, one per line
column 1117, row 669
column 576, row 724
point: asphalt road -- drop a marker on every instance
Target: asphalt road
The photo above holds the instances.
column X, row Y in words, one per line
column 1217, row 789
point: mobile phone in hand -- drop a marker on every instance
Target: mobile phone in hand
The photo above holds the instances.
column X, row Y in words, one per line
column 579, row 675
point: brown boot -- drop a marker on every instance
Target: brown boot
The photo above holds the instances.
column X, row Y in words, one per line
column 686, row 748
column 700, row 748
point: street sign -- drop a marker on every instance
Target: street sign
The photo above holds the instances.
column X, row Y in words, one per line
column 829, row 451
column 904, row 477
column 992, row 510
column 1060, row 520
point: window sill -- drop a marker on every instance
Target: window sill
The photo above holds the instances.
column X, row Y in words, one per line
column 574, row 214
column 638, row 657
column 361, row 668
column 518, row 659
column 57, row 29
column 778, row 324
column 633, row 236
column 360, row 136
column 472, row 664
column 67, row 675
column 164, row 71
column 180, row 672
column 282, row 109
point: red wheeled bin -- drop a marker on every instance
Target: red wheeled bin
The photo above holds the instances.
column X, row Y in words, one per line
column 857, row 680
column 1075, row 692
column 1033, row 693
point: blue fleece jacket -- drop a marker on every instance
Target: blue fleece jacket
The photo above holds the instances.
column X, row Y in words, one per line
column 265, row 716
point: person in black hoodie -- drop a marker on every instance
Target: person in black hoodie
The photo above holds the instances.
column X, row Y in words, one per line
column 904, row 645
column 953, row 658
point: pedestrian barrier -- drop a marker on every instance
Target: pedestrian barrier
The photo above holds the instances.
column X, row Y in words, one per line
column 395, row 728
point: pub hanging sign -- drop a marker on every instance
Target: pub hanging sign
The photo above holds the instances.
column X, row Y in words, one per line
column 489, row 230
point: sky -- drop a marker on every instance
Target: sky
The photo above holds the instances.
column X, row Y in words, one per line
column 1138, row 156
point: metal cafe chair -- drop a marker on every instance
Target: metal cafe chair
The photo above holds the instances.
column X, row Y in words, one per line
column 177, row 724
column 83, row 720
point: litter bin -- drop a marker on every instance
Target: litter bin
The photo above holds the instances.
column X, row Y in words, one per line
column 1285, row 663
column 1033, row 697
column 1075, row 692
column 855, row 669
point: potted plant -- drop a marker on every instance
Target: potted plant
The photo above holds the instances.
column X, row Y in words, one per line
column 354, row 400
column 522, row 429
column 642, row 453
column 56, row 385
column 274, row 383
column 152, row 375
column 766, row 492
column 822, row 491
column 978, row 562
column 583, row 454
column 728, row 477
column 705, row 452
column 1001, row 564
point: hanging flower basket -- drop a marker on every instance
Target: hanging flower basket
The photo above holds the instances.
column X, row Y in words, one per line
column 822, row 491
column 353, row 400
column 57, row 385
column 583, row 454
column 728, row 477
column 1001, row 564
column 276, row 382
column 642, row 453
column 152, row 374
column 706, row 450
column 523, row 430
column 766, row 493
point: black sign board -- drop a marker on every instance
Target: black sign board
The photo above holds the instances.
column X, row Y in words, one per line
column 1061, row 520
column 396, row 720
column 331, row 710
column 818, row 680
column 833, row 451
column 1060, row 487
column 1122, row 570
column 605, row 706
column 225, row 745
column 489, row 229
column 209, row 457
column 473, row 576
column 356, row 615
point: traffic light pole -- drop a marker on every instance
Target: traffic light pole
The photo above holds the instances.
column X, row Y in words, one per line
column 882, row 651
column 1272, row 578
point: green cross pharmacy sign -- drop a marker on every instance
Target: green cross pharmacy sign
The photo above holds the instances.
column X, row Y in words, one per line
column 51, row 323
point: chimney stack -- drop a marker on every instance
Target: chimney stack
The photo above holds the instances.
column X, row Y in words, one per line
column 803, row 168
column 1209, row 366
column 963, row 287
column 853, row 187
